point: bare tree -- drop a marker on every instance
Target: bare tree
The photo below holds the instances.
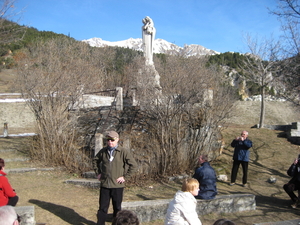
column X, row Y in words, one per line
column 260, row 66
column 53, row 75
column 9, row 31
column 288, row 12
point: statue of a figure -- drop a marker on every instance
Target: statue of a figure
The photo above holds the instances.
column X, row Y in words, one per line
column 148, row 39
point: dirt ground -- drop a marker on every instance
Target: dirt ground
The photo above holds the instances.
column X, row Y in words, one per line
column 59, row 203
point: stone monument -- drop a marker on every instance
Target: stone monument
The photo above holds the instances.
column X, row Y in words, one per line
column 148, row 33
column 148, row 39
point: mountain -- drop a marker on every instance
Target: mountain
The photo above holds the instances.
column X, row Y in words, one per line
column 160, row 46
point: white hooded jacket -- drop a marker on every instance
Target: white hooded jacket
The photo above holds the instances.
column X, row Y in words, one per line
column 182, row 210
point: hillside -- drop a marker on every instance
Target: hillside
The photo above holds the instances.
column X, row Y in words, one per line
column 277, row 113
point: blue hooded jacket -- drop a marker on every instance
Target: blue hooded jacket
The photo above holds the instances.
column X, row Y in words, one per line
column 207, row 178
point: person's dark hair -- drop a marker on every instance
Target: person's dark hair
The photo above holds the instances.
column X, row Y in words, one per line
column 223, row 222
column 2, row 164
column 126, row 217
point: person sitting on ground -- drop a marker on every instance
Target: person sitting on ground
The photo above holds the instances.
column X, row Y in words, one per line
column 294, row 183
column 223, row 222
column 8, row 195
column 126, row 217
column 182, row 209
column 8, row 215
column 207, row 178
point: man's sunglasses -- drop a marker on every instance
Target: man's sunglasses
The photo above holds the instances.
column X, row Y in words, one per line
column 111, row 139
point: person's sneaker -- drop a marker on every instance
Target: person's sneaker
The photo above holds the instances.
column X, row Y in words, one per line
column 294, row 206
column 231, row 184
column 244, row 185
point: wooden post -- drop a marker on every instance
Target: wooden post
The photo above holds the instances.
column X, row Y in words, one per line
column 5, row 131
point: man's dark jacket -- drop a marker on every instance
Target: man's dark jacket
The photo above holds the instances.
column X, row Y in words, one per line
column 241, row 150
column 294, row 172
column 207, row 178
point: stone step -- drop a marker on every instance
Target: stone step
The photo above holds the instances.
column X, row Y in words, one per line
column 7, row 150
column 91, row 183
column 23, row 159
column 90, row 174
column 23, row 170
column 18, row 135
column 26, row 214
column 286, row 222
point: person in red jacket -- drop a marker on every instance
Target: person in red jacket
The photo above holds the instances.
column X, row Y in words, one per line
column 8, row 195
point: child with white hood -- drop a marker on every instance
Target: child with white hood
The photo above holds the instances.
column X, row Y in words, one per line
column 182, row 209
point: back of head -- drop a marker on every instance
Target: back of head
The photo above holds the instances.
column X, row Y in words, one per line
column 223, row 222
column 8, row 215
column 2, row 164
column 126, row 217
column 204, row 157
column 189, row 184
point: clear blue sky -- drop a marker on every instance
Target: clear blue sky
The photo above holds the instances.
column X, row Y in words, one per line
column 215, row 24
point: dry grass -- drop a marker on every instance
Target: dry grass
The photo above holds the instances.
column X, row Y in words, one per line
column 59, row 203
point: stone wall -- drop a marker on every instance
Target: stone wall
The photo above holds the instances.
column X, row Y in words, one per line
column 150, row 210
column 294, row 134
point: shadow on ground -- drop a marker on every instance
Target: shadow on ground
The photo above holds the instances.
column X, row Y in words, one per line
column 65, row 213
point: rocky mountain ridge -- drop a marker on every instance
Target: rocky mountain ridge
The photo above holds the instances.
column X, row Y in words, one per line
column 160, row 46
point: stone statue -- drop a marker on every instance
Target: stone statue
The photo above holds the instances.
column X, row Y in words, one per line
column 148, row 39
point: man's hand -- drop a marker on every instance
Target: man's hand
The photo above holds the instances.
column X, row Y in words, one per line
column 99, row 176
column 120, row 180
column 239, row 138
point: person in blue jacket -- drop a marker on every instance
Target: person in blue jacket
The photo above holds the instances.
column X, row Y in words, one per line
column 207, row 178
column 241, row 155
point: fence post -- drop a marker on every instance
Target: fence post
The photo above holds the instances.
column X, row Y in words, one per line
column 5, row 131
column 126, row 143
column 133, row 93
column 98, row 142
column 119, row 98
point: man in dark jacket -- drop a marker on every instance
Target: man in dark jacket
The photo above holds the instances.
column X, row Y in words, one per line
column 294, row 183
column 241, row 155
column 206, row 176
column 112, row 165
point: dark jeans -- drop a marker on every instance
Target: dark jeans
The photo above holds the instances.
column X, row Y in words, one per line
column 235, row 168
column 290, row 188
column 116, row 195
column 13, row 201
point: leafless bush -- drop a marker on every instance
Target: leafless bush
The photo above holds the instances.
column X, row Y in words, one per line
column 185, row 120
column 53, row 76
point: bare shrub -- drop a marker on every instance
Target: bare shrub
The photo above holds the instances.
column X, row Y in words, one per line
column 185, row 120
column 53, row 75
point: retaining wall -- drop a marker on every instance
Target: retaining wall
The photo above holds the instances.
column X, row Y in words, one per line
column 150, row 210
